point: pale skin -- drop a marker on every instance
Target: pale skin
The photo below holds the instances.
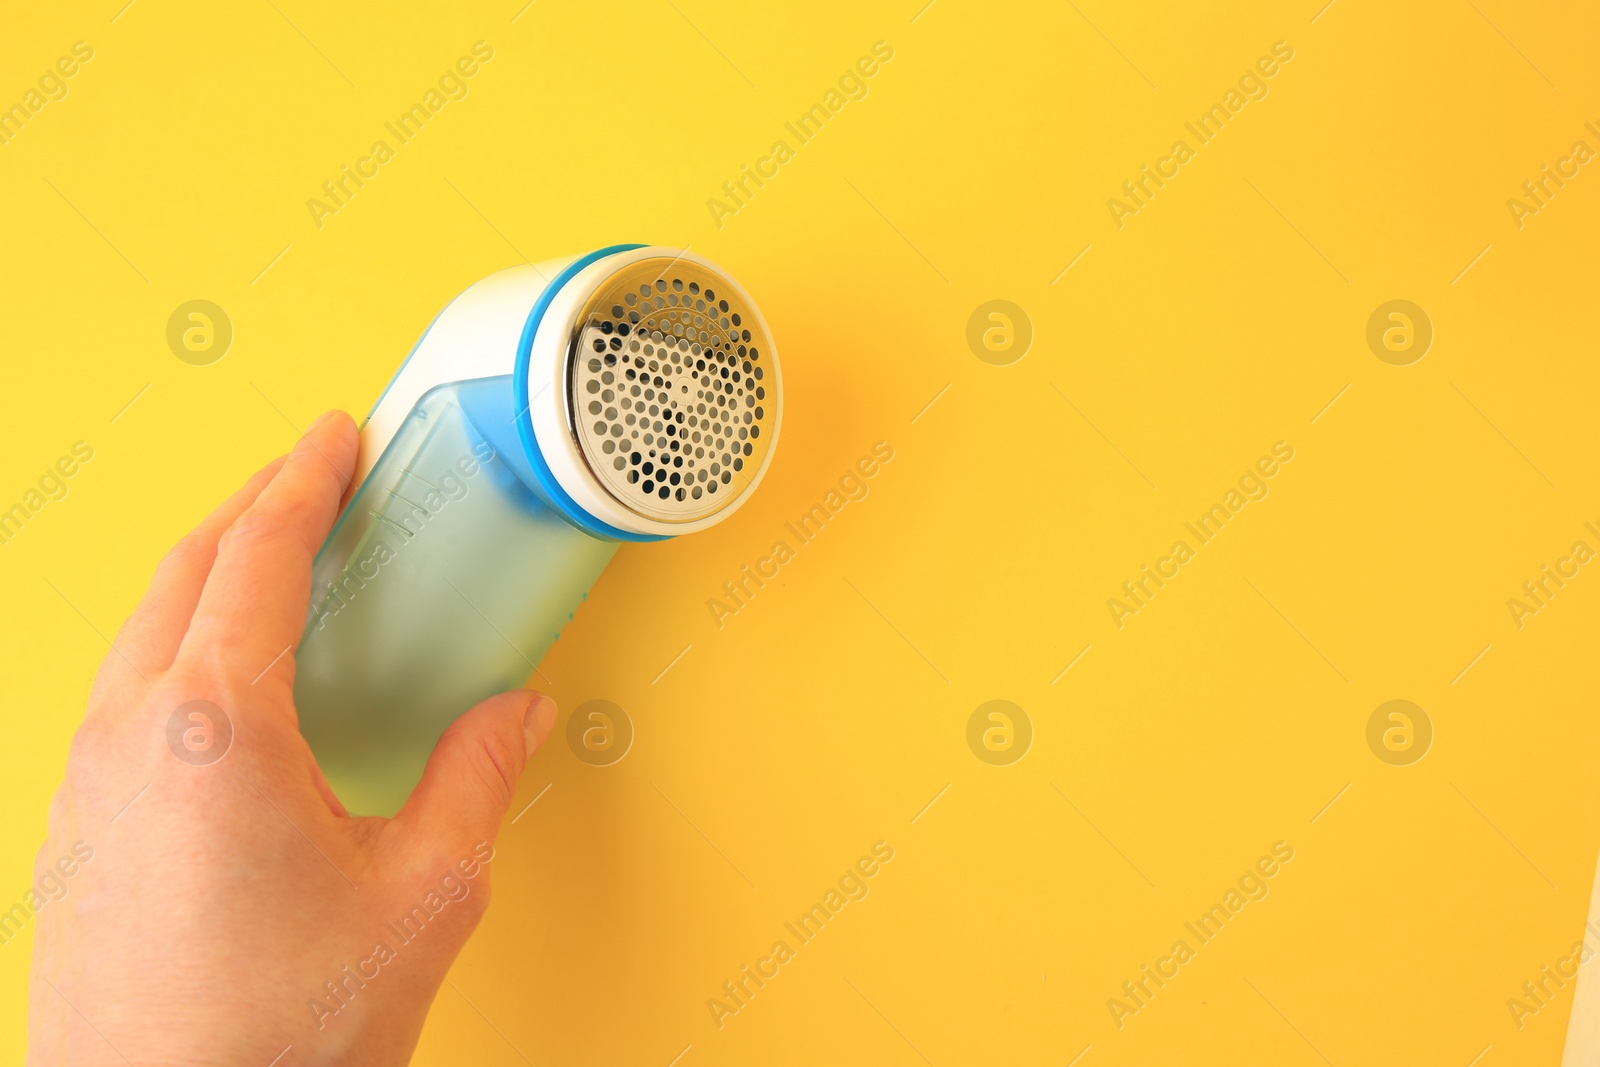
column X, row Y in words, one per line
column 222, row 896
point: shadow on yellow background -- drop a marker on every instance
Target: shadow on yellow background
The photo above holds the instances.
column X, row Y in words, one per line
column 1175, row 323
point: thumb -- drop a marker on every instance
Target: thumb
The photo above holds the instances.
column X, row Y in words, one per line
column 471, row 777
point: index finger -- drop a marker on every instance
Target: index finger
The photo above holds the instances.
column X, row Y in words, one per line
column 253, row 607
column 154, row 631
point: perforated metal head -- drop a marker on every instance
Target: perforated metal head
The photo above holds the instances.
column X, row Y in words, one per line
column 674, row 389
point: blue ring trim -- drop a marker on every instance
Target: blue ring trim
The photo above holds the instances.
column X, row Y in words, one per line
column 519, row 390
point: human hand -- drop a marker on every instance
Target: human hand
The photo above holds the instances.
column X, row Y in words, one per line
column 221, row 905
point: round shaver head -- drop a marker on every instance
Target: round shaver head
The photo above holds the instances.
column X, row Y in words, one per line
column 673, row 389
column 667, row 388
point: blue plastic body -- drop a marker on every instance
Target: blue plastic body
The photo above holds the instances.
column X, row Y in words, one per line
column 444, row 582
column 451, row 572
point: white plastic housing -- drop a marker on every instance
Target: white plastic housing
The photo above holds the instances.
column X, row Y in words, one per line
column 478, row 335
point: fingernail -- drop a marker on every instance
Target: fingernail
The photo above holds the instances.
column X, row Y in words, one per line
column 320, row 419
column 538, row 721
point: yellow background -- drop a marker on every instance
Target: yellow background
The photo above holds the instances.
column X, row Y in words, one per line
column 827, row 714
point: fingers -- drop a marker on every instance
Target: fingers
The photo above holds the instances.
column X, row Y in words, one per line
column 151, row 636
column 253, row 607
column 472, row 775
